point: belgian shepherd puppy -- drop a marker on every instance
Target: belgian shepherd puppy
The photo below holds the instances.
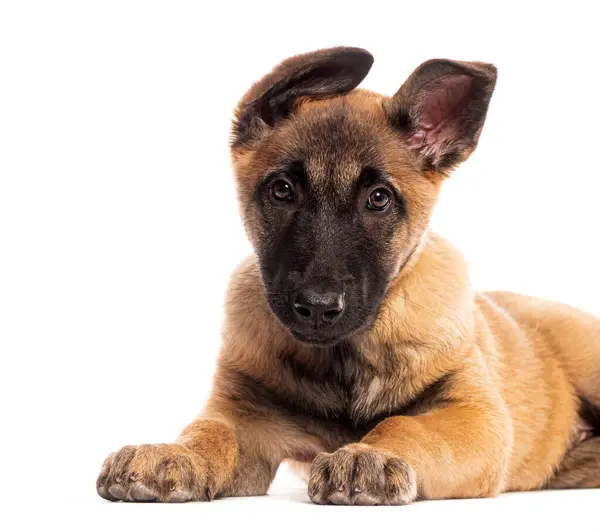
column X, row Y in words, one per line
column 354, row 344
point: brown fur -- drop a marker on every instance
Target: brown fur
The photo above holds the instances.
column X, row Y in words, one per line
column 447, row 393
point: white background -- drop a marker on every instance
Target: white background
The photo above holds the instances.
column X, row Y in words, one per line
column 119, row 227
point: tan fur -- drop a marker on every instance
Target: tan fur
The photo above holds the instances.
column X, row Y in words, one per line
column 490, row 385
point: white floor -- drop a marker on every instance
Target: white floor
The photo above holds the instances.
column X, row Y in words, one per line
column 288, row 507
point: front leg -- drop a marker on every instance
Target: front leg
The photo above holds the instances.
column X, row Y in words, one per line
column 226, row 453
column 233, row 449
column 206, row 461
column 458, row 450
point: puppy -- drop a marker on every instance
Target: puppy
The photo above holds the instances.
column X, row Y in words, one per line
column 353, row 343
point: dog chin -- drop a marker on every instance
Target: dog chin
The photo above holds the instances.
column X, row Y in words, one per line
column 318, row 340
column 323, row 339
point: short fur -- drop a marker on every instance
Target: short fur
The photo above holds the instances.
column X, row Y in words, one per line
column 417, row 387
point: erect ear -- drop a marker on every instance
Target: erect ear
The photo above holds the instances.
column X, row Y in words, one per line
column 441, row 109
column 317, row 74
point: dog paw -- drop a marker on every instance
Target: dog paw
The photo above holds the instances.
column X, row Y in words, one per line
column 361, row 475
column 164, row 473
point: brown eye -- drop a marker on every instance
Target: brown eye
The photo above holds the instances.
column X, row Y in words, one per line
column 379, row 200
column 282, row 191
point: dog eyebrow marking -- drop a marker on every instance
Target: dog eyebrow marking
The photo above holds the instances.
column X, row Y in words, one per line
column 296, row 170
column 369, row 176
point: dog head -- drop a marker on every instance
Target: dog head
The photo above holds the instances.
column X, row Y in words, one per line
column 336, row 184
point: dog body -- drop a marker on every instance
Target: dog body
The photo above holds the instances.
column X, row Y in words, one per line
column 353, row 341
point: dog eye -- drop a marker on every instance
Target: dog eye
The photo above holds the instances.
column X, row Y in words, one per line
column 282, row 191
column 379, row 200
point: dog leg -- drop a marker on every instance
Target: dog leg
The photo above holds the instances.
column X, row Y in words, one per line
column 208, row 460
column 195, row 467
column 580, row 467
column 454, row 451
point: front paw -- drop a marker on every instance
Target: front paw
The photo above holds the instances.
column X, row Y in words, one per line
column 165, row 473
column 359, row 474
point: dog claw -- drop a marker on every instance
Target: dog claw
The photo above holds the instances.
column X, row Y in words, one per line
column 118, row 492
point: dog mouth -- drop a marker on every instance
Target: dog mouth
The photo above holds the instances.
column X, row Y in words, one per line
column 318, row 339
column 328, row 337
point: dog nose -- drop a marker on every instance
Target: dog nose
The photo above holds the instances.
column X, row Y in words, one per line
column 317, row 307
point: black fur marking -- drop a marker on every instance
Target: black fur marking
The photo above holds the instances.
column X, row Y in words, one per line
column 433, row 396
column 402, row 121
column 329, row 365
column 448, row 160
column 325, row 390
column 256, row 396
column 590, row 414
column 316, row 76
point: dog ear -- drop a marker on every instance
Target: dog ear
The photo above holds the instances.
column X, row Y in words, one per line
column 317, row 74
column 441, row 109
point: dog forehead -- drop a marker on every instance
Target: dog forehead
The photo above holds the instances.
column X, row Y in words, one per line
column 336, row 141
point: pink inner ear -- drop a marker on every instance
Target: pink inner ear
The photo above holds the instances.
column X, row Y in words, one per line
column 439, row 121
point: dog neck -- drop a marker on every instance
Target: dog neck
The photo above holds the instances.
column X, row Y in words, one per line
column 428, row 305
